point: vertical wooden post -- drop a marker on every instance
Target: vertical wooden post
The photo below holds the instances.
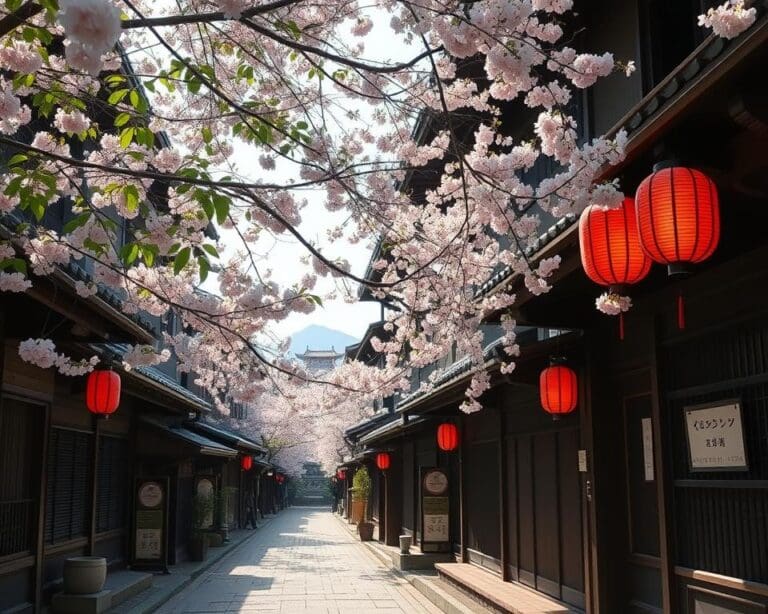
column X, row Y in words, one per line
column 588, row 508
column 94, row 484
column 663, row 490
column 503, row 495
column 394, row 499
column 40, row 532
column 462, row 491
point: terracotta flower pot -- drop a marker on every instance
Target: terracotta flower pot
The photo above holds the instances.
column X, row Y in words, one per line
column 84, row 575
column 358, row 510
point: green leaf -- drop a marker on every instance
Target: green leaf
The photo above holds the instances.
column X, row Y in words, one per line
column 205, row 267
column 181, row 260
column 117, row 96
column 94, row 247
column 37, row 208
column 122, row 119
column 126, row 137
column 149, row 253
column 129, row 252
column 221, row 204
column 19, row 264
column 211, row 250
column 131, row 198
column 17, row 159
column 76, row 222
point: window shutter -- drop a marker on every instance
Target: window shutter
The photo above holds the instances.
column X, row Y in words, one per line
column 69, row 483
column 113, row 488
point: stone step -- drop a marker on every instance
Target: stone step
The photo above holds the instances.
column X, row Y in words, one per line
column 124, row 584
column 119, row 586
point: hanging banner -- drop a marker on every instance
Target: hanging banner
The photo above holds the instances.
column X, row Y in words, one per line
column 150, row 524
column 716, row 437
column 435, row 511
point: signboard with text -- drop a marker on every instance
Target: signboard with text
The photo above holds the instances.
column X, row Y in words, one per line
column 150, row 524
column 435, row 511
column 716, row 437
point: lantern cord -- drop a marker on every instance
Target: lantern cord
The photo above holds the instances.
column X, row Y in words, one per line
column 680, row 311
column 621, row 326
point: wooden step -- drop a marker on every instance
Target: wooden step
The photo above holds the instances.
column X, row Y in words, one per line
column 506, row 596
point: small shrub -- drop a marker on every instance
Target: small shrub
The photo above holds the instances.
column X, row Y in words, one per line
column 361, row 485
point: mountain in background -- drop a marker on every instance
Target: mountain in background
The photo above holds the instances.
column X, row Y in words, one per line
column 319, row 338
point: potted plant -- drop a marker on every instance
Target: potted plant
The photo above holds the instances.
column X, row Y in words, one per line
column 361, row 492
column 202, row 508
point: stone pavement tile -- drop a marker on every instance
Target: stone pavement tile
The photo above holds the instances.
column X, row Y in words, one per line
column 389, row 603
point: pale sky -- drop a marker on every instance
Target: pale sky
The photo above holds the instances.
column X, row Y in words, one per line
column 284, row 256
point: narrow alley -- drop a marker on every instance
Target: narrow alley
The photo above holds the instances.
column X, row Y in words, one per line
column 303, row 561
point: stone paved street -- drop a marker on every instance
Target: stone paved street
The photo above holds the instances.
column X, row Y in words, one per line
column 303, row 561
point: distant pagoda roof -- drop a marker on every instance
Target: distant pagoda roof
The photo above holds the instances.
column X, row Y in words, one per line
column 332, row 353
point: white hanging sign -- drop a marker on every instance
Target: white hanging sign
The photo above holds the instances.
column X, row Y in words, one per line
column 716, row 437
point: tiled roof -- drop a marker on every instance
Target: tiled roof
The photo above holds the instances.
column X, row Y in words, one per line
column 78, row 273
column 228, row 436
column 389, row 429
column 116, row 351
column 332, row 353
column 491, row 354
column 366, row 424
column 206, row 446
column 540, row 243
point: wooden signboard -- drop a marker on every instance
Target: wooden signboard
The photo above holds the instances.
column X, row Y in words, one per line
column 435, row 510
column 150, row 524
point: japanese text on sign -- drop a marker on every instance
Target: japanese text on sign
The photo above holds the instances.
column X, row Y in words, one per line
column 716, row 437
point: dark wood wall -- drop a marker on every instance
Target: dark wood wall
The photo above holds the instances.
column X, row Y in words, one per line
column 683, row 541
column 543, row 498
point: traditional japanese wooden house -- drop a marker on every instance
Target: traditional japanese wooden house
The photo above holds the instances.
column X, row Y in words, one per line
column 652, row 495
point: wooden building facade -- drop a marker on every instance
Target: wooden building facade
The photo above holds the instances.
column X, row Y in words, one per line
column 69, row 476
column 606, row 510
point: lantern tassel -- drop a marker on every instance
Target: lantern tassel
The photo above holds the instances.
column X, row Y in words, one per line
column 621, row 326
column 680, row 312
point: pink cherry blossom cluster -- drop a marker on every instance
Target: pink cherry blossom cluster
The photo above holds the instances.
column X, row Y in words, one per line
column 613, row 304
column 730, row 19
column 42, row 353
column 92, row 28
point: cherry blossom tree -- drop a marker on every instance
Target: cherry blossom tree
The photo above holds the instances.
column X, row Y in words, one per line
column 164, row 98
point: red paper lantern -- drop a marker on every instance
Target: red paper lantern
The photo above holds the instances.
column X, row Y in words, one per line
column 246, row 463
column 558, row 388
column 678, row 216
column 447, row 437
column 341, row 474
column 102, row 395
column 610, row 246
column 382, row 460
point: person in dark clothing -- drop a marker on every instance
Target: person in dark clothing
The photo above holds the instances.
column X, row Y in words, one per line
column 250, row 511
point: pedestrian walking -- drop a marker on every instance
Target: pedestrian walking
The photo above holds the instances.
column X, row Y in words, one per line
column 250, row 510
